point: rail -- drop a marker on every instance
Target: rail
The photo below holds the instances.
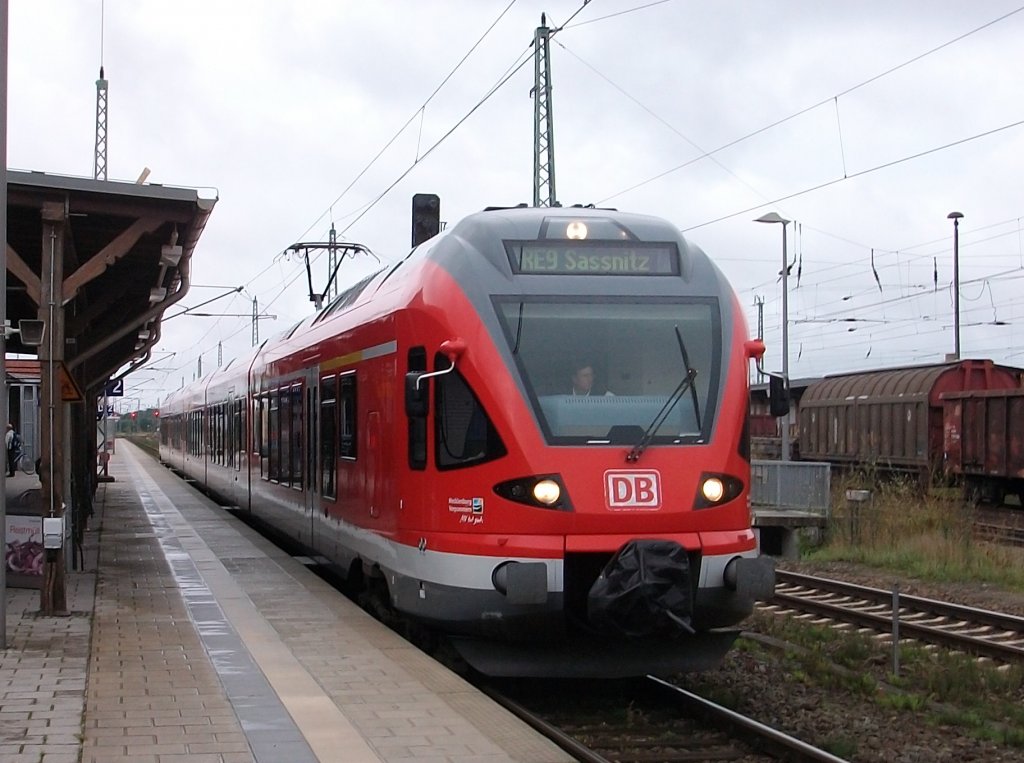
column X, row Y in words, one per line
column 722, row 734
column 980, row 632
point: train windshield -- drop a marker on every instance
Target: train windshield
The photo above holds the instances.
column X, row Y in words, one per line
column 600, row 372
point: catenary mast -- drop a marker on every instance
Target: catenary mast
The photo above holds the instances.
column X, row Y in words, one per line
column 543, row 121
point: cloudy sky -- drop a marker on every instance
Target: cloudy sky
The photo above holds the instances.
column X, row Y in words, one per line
column 866, row 123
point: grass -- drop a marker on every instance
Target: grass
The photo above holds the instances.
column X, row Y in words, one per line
column 929, row 537
column 934, row 686
column 925, row 536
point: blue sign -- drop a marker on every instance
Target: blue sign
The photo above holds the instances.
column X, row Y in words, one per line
column 115, row 388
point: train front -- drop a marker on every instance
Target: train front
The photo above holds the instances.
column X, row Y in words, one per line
column 591, row 443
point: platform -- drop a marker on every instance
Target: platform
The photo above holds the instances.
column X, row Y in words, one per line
column 192, row 638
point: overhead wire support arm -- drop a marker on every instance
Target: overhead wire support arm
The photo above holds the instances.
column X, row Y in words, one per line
column 190, row 310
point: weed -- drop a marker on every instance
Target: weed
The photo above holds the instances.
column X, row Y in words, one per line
column 843, row 747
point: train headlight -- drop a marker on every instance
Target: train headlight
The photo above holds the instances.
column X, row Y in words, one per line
column 712, row 489
column 715, row 490
column 547, row 492
column 576, row 230
column 541, row 491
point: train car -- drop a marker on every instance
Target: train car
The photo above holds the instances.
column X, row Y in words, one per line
column 890, row 419
column 529, row 435
column 984, row 442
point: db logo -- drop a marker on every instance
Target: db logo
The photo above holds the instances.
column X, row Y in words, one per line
column 632, row 490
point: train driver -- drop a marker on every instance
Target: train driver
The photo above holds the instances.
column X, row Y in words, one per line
column 583, row 381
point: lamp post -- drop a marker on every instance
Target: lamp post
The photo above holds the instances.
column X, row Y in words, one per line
column 955, row 217
column 775, row 217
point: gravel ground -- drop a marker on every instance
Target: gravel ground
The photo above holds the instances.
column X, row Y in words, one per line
column 851, row 723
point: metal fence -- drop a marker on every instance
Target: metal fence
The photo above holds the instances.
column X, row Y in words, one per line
column 793, row 485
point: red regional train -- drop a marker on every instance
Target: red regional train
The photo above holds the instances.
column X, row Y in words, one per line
column 423, row 433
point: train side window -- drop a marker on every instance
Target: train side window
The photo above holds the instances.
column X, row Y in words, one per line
column 417, row 424
column 263, row 444
column 274, row 460
column 463, row 432
column 238, row 441
column 328, row 437
column 347, row 409
column 284, row 439
column 295, row 393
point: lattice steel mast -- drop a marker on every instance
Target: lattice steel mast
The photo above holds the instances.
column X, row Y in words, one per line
column 543, row 121
column 99, row 165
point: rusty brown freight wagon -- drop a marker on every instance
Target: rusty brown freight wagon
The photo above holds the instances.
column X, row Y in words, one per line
column 890, row 419
column 984, row 442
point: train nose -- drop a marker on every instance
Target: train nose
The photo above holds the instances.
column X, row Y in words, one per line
column 644, row 590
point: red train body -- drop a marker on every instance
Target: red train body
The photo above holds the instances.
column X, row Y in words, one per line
column 421, row 433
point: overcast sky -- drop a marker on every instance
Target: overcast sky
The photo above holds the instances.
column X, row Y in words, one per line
column 866, row 123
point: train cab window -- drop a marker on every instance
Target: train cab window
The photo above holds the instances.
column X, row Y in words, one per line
column 634, row 357
column 347, row 439
column 463, row 433
column 328, row 436
column 417, row 424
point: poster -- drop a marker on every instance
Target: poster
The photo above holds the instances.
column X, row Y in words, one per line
column 24, row 551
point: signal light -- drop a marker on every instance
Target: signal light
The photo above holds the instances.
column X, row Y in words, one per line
column 133, row 414
column 156, row 413
column 426, row 217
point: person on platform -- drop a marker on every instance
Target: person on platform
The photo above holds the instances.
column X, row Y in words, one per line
column 13, row 442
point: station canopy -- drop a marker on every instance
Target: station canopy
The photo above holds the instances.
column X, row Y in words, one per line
column 121, row 253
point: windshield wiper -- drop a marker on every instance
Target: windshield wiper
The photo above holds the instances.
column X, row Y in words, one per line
column 687, row 382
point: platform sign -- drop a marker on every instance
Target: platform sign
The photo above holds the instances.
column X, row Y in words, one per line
column 114, row 388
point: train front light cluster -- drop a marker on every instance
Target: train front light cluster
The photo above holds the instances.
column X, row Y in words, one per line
column 716, row 489
column 544, row 491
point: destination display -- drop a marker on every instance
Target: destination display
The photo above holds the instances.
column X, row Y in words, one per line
column 564, row 257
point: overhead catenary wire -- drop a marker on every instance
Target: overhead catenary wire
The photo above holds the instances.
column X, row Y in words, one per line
column 279, row 292
column 808, row 109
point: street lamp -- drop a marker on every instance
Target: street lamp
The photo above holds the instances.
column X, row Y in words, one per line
column 775, row 217
column 955, row 217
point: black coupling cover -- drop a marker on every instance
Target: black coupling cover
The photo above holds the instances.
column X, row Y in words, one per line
column 644, row 590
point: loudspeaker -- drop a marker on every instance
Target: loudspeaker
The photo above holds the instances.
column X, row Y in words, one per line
column 31, row 332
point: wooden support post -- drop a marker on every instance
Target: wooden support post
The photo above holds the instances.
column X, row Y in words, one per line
column 53, row 596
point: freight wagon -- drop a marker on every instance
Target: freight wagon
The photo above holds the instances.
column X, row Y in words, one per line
column 984, row 442
column 891, row 419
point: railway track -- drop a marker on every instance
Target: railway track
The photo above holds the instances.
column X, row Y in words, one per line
column 980, row 632
column 650, row 720
column 1006, row 535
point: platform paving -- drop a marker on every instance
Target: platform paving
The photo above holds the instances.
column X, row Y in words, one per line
column 191, row 638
